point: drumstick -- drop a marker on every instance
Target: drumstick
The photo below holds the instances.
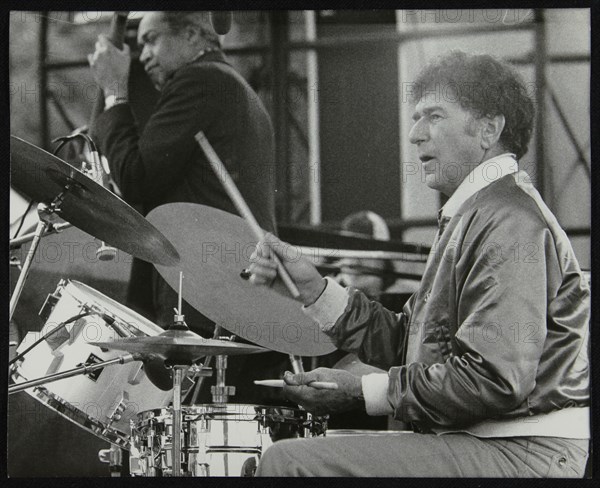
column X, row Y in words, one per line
column 242, row 207
column 239, row 202
column 319, row 385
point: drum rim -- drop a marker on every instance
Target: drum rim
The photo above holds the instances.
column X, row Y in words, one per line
column 78, row 417
column 231, row 409
column 141, row 323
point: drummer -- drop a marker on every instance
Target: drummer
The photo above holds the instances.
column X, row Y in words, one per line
column 199, row 91
column 471, row 361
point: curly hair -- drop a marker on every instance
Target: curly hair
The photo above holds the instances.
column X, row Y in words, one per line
column 486, row 87
column 177, row 21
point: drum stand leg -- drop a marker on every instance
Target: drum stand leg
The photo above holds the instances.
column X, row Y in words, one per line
column 46, row 215
column 178, row 372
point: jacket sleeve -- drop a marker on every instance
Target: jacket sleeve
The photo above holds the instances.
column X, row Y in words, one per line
column 154, row 161
column 501, row 299
column 369, row 330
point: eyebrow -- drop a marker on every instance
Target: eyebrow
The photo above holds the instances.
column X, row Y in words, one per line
column 427, row 111
column 144, row 38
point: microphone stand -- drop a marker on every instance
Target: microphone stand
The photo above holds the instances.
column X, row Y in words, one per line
column 83, row 369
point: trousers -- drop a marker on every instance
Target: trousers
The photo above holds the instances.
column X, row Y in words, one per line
column 407, row 454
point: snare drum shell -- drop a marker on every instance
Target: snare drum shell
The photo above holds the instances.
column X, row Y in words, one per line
column 217, row 440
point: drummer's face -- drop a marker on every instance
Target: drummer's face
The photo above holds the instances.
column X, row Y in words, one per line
column 163, row 51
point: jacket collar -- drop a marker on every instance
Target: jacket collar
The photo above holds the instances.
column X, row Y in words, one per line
column 484, row 174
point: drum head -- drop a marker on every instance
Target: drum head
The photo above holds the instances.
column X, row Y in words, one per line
column 86, row 294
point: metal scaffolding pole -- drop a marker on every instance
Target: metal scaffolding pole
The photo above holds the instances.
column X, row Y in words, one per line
column 43, row 77
column 279, row 63
column 540, row 83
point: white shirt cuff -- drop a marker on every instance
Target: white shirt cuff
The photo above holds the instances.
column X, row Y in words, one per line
column 375, row 391
column 329, row 306
column 112, row 100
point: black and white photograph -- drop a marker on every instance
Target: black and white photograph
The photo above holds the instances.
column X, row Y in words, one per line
column 299, row 243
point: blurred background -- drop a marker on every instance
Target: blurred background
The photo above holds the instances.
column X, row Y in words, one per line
column 335, row 84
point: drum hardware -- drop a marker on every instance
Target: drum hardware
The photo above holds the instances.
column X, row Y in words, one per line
column 205, row 364
column 47, row 335
column 113, row 456
column 16, row 262
column 54, row 229
column 47, row 217
column 95, row 171
column 81, row 370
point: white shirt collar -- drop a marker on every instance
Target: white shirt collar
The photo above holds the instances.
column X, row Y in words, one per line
column 485, row 173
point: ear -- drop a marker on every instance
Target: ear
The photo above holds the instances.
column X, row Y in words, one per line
column 492, row 128
column 192, row 34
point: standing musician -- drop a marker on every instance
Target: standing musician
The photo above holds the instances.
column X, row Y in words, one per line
column 199, row 91
column 489, row 359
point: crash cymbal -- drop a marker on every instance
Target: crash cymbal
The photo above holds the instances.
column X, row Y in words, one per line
column 215, row 246
column 180, row 346
column 86, row 204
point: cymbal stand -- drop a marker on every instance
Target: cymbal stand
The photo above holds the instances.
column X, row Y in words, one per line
column 205, row 364
column 221, row 392
column 19, row 241
column 178, row 372
column 47, row 218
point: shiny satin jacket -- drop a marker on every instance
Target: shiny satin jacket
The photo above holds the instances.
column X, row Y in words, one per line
column 499, row 326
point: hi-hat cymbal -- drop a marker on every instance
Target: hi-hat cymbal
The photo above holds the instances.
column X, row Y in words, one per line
column 86, row 204
column 215, row 246
column 180, row 346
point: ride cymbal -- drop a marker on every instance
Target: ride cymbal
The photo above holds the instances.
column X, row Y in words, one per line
column 215, row 247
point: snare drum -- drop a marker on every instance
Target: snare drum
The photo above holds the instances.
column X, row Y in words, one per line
column 217, row 440
column 104, row 401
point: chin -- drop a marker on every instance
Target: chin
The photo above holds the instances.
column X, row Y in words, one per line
column 157, row 80
column 432, row 181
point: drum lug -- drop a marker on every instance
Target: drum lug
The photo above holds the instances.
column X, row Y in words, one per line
column 117, row 413
column 51, row 300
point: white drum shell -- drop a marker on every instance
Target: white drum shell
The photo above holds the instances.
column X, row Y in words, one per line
column 104, row 405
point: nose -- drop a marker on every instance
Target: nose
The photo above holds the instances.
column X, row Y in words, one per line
column 418, row 132
column 145, row 54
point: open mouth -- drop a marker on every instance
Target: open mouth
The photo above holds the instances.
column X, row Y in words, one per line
column 425, row 158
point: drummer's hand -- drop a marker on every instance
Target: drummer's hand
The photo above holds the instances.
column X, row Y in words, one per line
column 110, row 67
column 263, row 270
column 348, row 396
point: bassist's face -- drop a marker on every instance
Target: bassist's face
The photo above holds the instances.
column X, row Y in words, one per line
column 163, row 51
